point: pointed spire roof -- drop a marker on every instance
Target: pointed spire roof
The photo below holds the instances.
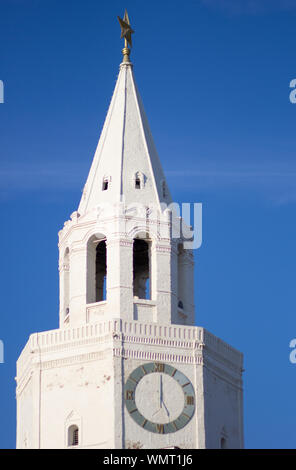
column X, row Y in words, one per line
column 125, row 153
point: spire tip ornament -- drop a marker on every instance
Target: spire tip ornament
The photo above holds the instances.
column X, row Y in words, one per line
column 126, row 33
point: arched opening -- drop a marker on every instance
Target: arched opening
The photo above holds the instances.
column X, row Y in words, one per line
column 101, row 271
column 141, row 269
column 181, row 278
column 106, row 183
column 73, row 435
column 96, row 269
column 66, row 282
column 137, row 182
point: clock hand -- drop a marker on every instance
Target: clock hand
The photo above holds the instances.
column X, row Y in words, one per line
column 159, row 395
column 166, row 410
column 162, row 403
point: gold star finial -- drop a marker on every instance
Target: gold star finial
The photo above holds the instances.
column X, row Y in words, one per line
column 126, row 33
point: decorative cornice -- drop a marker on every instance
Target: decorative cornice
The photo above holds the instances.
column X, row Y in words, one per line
column 90, row 357
column 157, row 356
column 185, row 341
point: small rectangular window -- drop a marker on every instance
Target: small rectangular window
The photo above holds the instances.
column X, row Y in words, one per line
column 138, row 183
column 105, row 185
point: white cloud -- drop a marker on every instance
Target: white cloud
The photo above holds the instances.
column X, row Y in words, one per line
column 272, row 182
column 32, row 177
column 277, row 185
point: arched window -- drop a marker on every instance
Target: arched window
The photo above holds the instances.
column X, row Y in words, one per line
column 96, row 269
column 73, row 435
column 139, row 180
column 181, row 283
column 106, row 183
column 141, row 269
column 137, row 183
column 66, row 267
column 101, row 271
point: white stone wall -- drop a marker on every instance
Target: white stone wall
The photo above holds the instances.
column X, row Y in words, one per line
column 80, row 394
column 76, row 376
column 25, row 411
column 223, row 411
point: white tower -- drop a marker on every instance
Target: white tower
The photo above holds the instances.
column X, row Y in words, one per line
column 127, row 368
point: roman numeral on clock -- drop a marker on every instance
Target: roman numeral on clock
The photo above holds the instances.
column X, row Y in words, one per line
column 129, row 395
column 158, row 367
column 160, row 428
column 190, row 400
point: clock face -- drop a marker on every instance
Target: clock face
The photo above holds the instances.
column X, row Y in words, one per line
column 159, row 398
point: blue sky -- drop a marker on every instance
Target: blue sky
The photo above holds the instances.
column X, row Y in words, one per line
column 214, row 77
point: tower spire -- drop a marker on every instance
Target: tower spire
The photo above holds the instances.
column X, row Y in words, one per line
column 126, row 33
column 126, row 165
